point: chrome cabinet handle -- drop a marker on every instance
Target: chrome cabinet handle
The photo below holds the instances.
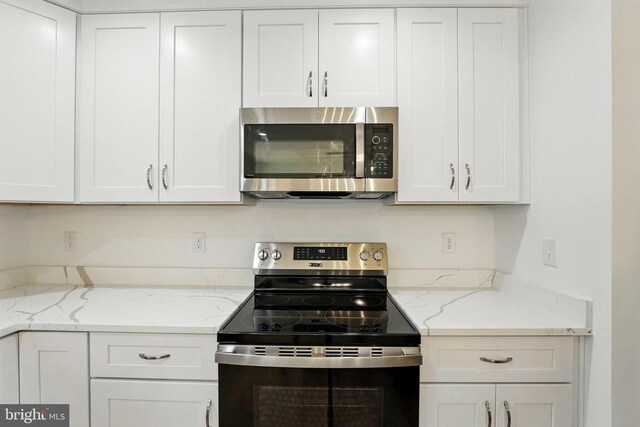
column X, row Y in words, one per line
column 149, row 184
column 497, row 361
column 453, row 176
column 506, row 407
column 310, row 84
column 207, row 421
column 164, row 177
column 325, row 84
column 466, row 165
column 162, row 356
column 488, row 408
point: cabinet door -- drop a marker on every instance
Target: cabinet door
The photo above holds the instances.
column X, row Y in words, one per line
column 428, row 104
column 37, row 86
column 118, row 108
column 280, row 58
column 357, row 57
column 460, row 405
column 119, row 403
column 9, row 376
column 535, row 405
column 54, row 369
column 200, row 77
column 489, row 97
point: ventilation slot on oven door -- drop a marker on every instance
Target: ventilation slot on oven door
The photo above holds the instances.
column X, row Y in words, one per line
column 260, row 351
column 376, row 352
column 341, row 352
column 294, row 351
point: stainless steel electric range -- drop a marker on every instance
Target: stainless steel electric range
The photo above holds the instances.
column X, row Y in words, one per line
column 320, row 342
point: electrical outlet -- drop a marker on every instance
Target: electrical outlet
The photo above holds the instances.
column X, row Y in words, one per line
column 550, row 252
column 448, row 243
column 199, row 243
column 70, row 241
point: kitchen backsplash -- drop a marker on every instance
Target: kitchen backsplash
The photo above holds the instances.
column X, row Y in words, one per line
column 161, row 236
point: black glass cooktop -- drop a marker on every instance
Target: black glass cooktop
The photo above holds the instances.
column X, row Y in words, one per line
column 319, row 318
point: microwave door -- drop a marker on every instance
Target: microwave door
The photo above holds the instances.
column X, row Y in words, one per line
column 303, row 151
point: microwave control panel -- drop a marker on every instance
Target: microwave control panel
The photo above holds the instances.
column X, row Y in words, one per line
column 379, row 150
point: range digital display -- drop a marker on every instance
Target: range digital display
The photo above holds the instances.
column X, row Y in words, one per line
column 305, row 253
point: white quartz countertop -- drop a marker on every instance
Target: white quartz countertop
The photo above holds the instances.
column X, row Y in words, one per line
column 203, row 309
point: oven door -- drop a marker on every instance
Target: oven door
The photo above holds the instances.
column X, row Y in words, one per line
column 297, row 397
column 309, row 391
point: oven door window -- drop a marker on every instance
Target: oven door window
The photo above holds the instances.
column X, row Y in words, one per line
column 282, row 397
column 299, row 151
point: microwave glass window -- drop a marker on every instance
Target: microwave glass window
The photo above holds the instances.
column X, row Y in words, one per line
column 300, row 157
column 299, row 151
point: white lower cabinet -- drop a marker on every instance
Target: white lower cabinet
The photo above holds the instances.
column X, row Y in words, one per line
column 127, row 403
column 480, row 405
column 534, row 405
column 9, row 372
column 456, row 405
column 499, row 382
column 54, row 369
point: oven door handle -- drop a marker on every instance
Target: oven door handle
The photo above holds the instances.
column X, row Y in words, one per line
column 360, row 148
column 319, row 358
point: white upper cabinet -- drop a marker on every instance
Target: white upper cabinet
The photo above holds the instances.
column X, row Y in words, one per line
column 428, row 101
column 158, row 108
column 281, row 58
column 200, row 96
column 118, row 108
column 489, row 85
column 37, row 88
column 357, row 57
column 459, row 87
column 310, row 58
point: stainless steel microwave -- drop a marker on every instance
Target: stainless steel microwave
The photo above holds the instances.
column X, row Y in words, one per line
column 319, row 153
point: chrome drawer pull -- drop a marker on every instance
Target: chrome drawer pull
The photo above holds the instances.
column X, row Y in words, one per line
column 310, row 79
column 164, row 177
column 506, row 407
column 466, row 166
column 207, row 423
column 497, row 361
column 162, row 356
column 488, row 407
column 453, row 176
column 326, row 84
column 149, row 184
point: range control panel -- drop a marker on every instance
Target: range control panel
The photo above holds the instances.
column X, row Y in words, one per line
column 379, row 150
column 296, row 257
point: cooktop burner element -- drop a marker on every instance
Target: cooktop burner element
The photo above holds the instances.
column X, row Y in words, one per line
column 319, row 294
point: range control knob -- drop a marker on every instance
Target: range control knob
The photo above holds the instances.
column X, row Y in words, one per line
column 276, row 327
column 262, row 254
column 364, row 255
column 364, row 328
column 377, row 255
column 276, row 254
column 263, row 327
column 375, row 140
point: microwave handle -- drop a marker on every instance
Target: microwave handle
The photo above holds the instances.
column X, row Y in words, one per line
column 360, row 158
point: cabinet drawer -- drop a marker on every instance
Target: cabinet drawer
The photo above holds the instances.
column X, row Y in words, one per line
column 153, row 356
column 497, row 359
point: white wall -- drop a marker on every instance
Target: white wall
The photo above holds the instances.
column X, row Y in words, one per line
column 13, row 236
column 160, row 236
column 626, row 212
column 570, row 73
